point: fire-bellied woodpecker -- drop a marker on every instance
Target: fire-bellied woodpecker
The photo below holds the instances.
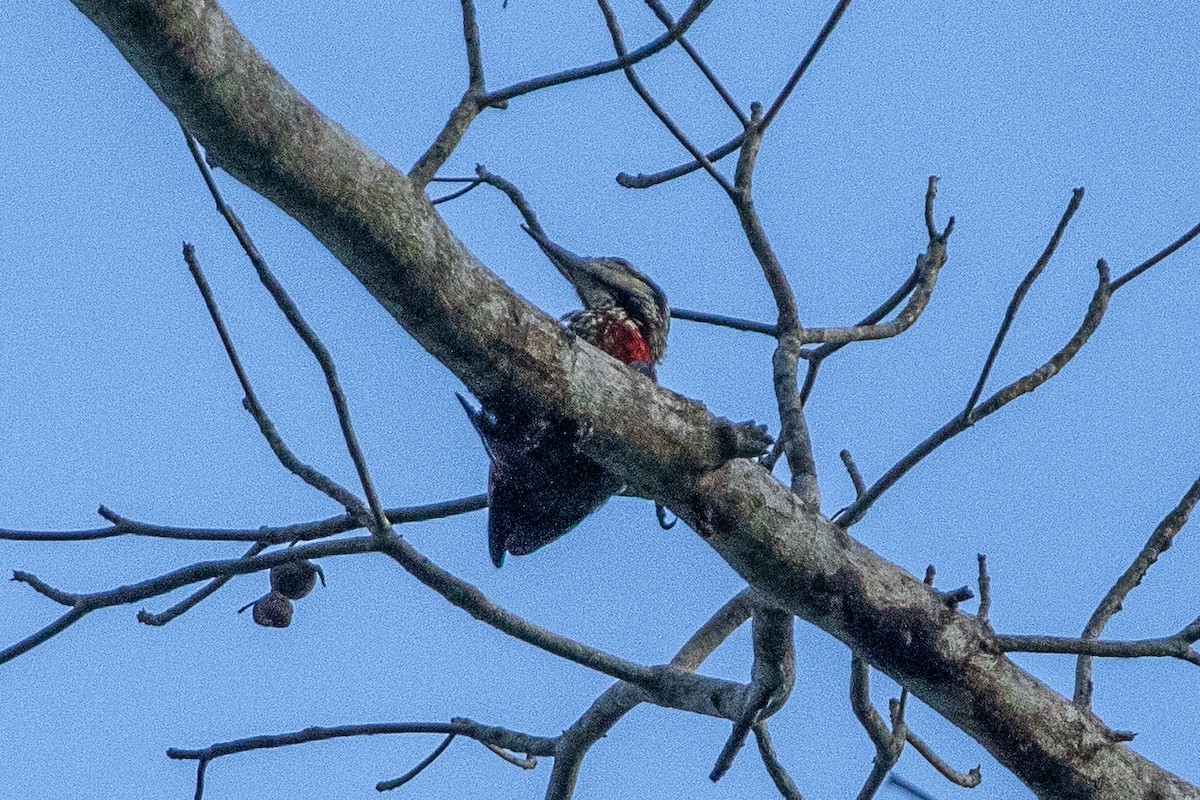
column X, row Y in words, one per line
column 539, row 485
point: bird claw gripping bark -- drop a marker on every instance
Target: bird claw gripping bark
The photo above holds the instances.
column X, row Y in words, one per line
column 743, row 439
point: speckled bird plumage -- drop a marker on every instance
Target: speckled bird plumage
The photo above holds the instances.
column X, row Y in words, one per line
column 539, row 485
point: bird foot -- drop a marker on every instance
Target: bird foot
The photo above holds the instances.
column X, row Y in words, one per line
column 744, row 439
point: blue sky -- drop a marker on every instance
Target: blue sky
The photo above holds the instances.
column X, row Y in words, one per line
column 115, row 391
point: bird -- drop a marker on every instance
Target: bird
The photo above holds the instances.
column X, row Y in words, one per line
column 539, row 485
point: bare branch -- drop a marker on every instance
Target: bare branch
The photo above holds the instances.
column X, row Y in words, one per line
column 447, row 140
column 514, row 194
column 642, row 181
column 45, row 634
column 724, row 322
column 471, row 185
column 614, row 30
column 83, row 604
column 463, row 114
column 805, row 62
column 474, row 53
column 304, row 531
column 665, row 18
column 526, row 762
column 783, row 782
column 1003, row 397
column 396, row 783
column 967, row 780
column 1019, row 295
column 511, row 740
column 985, row 593
column 852, row 470
column 1159, row 542
column 931, row 228
column 1157, row 257
column 689, row 16
column 194, row 599
column 771, row 679
column 306, row 334
column 470, row 599
column 623, row 697
column 928, row 267
column 314, row 478
column 889, row 744
column 819, row 354
column 1177, row 646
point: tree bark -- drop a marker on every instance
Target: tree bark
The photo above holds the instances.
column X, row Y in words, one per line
column 255, row 126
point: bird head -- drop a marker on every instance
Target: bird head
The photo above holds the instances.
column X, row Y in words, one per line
column 610, row 282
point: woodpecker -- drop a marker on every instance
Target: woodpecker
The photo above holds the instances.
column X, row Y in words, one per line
column 539, row 485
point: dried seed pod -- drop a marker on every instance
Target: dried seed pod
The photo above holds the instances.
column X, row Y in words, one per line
column 273, row 611
column 295, row 579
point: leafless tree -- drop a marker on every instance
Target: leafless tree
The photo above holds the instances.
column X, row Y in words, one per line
column 239, row 115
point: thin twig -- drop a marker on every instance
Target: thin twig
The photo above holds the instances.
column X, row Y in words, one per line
column 470, row 599
column 514, row 195
column 1001, row 398
column 194, row 599
column 643, row 181
column 1178, row 645
column 201, row 768
column 1019, row 387
column 45, row 634
column 319, row 481
column 1157, row 257
column 665, row 18
column 446, row 198
column 928, row 266
column 381, row 526
column 772, row 677
column 805, row 62
column 1159, row 542
column 852, row 470
column 1019, row 295
column 819, row 354
column 793, row 428
column 463, row 114
column 618, row 40
column 83, row 604
column 779, row 776
column 985, row 593
column 474, row 52
column 889, row 744
column 723, row 321
column 685, row 21
column 396, row 783
column 524, row 762
column 622, row 697
column 968, row 780
column 513, row 740
column 303, row 531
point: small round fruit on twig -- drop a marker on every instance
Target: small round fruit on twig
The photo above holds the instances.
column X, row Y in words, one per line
column 272, row 610
column 295, row 579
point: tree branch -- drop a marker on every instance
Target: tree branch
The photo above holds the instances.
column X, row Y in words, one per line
column 686, row 19
column 282, row 534
column 386, row 232
column 1159, row 542
column 1003, row 397
column 1019, row 295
